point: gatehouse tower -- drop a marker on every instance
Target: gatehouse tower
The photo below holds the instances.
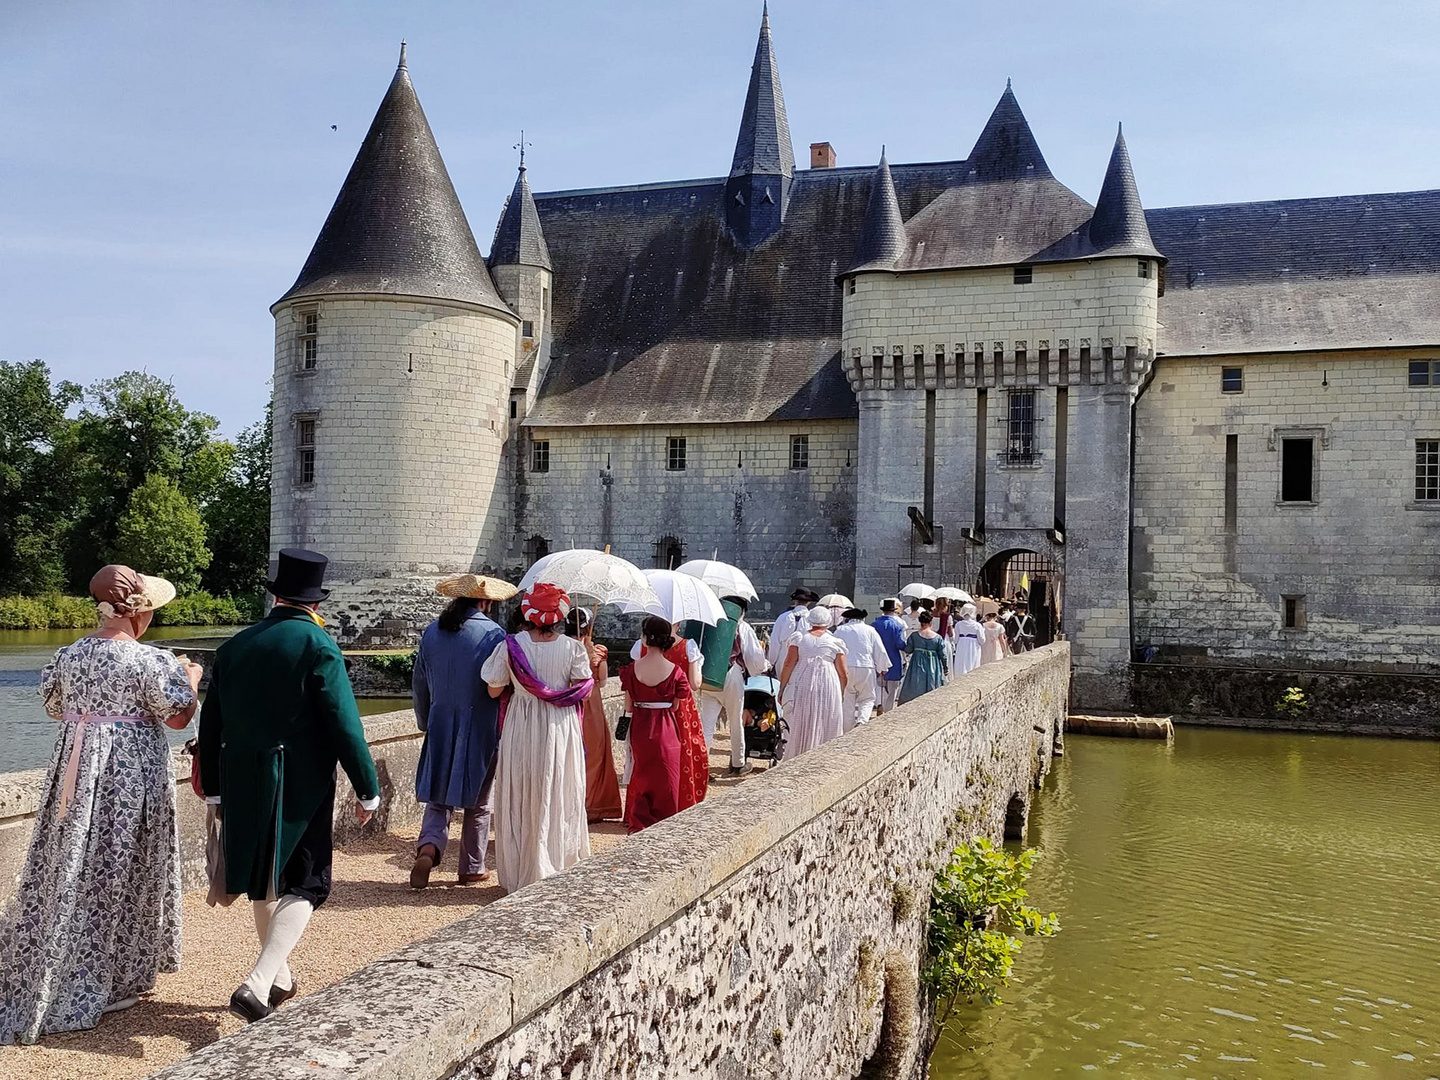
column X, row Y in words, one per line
column 394, row 355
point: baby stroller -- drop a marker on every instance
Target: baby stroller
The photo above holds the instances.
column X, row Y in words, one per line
column 765, row 727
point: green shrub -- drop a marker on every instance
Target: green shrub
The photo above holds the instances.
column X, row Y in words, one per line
column 1293, row 704
column 400, row 665
column 202, row 609
column 983, row 887
column 48, row 612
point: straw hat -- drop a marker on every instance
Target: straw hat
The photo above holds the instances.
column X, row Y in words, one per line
column 121, row 592
column 476, row 587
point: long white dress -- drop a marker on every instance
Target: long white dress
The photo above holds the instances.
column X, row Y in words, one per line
column 540, row 825
column 812, row 703
column 993, row 647
column 968, row 636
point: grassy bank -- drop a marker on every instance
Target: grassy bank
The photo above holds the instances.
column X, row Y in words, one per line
column 56, row 612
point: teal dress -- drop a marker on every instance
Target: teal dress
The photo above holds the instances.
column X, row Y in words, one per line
column 927, row 669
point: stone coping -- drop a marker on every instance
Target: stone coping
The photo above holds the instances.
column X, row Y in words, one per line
column 418, row 1013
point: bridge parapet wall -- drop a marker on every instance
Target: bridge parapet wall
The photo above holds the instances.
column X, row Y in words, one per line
column 773, row 932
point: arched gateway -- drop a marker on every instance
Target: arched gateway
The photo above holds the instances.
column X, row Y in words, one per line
column 1032, row 575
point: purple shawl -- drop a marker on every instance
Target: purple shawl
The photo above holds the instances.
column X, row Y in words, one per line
column 570, row 697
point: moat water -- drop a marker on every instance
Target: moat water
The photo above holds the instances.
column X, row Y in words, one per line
column 27, row 735
column 1237, row 905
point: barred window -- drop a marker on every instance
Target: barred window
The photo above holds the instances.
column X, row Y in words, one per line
column 309, row 339
column 669, row 553
column 799, row 451
column 540, row 455
column 536, row 548
column 1427, row 469
column 1020, row 448
column 1425, row 372
column 305, row 450
column 675, row 455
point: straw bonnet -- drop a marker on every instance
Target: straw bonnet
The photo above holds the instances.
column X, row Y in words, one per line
column 120, row 592
column 476, row 587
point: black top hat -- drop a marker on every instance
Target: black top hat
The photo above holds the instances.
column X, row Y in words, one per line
column 298, row 576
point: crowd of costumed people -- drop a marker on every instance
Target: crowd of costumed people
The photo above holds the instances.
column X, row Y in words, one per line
column 516, row 739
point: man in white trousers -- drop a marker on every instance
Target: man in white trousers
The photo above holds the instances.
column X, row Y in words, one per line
column 893, row 632
column 747, row 658
column 787, row 623
column 866, row 661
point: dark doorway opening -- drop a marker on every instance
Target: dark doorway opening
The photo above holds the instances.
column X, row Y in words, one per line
column 1024, row 574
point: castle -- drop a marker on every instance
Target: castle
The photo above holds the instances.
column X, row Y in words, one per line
column 1209, row 433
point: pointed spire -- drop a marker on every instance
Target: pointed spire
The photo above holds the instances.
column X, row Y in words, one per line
column 402, row 55
column 397, row 226
column 1006, row 149
column 882, row 236
column 763, row 146
column 519, row 240
column 1118, row 224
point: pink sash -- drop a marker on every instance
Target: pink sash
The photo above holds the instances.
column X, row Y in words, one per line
column 72, row 765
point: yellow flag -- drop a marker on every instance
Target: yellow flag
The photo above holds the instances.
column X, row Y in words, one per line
column 1025, row 581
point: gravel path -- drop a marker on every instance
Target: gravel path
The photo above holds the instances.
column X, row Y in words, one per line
column 371, row 913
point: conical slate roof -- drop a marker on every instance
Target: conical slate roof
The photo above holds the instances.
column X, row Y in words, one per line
column 1006, row 149
column 882, row 236
column 518, row 237
column 397, row 226
column 1118, row 226
column 763, row 147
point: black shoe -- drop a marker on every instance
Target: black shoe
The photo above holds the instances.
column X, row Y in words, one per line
column 247, row 1006
column 742, row 770
column 278, row 997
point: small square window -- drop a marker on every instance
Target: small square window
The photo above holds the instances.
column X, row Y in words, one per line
column 1425, row 372
column 527, row 329
column 1142, row 268
column 1232, row 380
column 675, row 455
column 540, row 456
column 850, row 286
column 1427, row 470
column 1023, row 275
column 1293, row 612
column 799, row 451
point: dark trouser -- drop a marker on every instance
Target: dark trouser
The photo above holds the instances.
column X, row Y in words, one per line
column 307, row 872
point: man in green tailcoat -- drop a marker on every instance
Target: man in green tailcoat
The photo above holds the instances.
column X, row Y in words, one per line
column 278, row 716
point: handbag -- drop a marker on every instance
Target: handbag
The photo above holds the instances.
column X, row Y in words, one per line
column 622, row 727
column 193, row 749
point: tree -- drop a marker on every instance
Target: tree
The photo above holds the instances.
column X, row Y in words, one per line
column 133, row 427
column 37, row 502
column 237, row 517
column 161, row 533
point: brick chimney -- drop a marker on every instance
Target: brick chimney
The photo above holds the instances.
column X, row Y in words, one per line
column 822, row 155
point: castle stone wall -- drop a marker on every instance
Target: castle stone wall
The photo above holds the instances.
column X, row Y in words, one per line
column 737, row 496
column 410, row 401
column 1363, row 555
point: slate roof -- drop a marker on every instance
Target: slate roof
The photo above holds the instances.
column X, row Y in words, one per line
column 882, row 236
column 397, row 226
column 519, row 239
column 1118, row 225
column 763, row 145
column 1352, row 271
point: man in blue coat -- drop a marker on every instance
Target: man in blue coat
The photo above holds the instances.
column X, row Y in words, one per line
column 460, row 719
column 893, row 632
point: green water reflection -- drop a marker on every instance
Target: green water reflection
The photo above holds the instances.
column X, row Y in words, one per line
column 1238, row 905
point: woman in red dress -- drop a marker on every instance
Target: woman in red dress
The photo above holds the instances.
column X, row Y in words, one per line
column 653, row 687
column 695, row 755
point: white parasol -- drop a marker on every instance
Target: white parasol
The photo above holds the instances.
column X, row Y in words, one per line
column 681, row 597
column 725, row 579
column 951, row 592
column 834, row 599
column 918, row 590
column 601, row 577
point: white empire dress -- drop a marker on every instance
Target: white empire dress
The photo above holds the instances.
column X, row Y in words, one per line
column 813, row 705
column 539, row 793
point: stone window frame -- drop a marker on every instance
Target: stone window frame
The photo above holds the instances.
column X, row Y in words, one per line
column 1239, row 371
column 306, row 426
column 677, row 453
column 1035, row 459
column 308, row 339
column 540, row 456
column 1321, row 442
column 1023, row 275
column 1292, row 613
column 527, row 329
column 1423, row 373
column 1142, row 269
column 1432, row 450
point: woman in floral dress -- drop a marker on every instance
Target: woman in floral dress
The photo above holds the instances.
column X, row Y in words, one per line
column 97, row 915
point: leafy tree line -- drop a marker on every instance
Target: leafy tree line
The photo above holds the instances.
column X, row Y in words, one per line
column 122, row 471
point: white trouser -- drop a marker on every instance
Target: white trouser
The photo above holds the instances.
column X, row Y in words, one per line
column 859, row 699
column 889, row 693
column 732, row 701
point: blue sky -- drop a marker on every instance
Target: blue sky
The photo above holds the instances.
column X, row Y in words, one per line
column 166, row 165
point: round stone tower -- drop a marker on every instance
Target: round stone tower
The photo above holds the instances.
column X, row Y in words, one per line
column 394, row 356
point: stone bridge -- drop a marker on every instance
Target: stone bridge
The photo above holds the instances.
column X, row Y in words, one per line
column 774, row 931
